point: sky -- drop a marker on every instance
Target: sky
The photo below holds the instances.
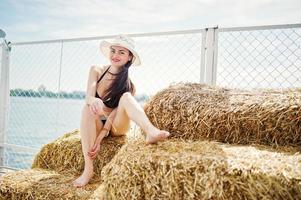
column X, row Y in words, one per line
column 35, row 20
column 176, row 55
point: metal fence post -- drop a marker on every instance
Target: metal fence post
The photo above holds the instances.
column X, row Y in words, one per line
column 211, row 56
column 203, row 56
column 215, row 55
column 4, row 97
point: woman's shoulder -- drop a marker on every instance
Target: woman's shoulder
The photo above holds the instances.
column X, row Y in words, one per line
column 99, row 69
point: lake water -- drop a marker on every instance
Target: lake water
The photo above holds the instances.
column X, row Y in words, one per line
column 33, row 122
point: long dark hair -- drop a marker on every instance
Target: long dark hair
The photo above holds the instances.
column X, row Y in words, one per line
column 120, row 85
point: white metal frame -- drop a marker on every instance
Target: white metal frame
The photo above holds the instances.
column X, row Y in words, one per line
column 249, row 28
column 209, row 56
column 112, row 36
column 4, row 97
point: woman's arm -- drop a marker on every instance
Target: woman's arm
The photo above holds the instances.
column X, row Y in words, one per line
column 109, row 123
column 92, row 83
column 103, row 133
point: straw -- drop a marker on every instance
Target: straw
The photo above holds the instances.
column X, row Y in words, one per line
column 197, row 112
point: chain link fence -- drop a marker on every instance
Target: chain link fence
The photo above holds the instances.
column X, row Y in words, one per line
column 268, row 57
column 48, row 78
column 48, row 83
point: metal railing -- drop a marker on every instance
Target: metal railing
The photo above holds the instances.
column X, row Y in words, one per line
column 48, row 78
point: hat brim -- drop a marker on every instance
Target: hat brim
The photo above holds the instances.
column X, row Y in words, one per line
column 105, row 49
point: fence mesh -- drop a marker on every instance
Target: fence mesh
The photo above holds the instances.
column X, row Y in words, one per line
column 48, row 83
column 259, row 58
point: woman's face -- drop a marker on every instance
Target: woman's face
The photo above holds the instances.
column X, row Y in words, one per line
column 119, row 56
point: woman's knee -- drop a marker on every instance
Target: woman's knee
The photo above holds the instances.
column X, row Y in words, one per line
column 127, row 96
column 86, row 112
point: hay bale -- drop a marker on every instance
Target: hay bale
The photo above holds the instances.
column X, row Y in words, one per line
column 262, row 173
column 197, row 112
column 99, row 193
column 65, row 154
column 169, row 170
column 35, row 184
column 200, row 170
column 55, row 167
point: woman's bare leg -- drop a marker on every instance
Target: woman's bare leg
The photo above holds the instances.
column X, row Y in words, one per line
column 129, row 108
column 88, row 132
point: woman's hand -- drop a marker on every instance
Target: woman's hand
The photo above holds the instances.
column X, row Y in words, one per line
column 94, row 150
column 96, row 106
column 96, row 147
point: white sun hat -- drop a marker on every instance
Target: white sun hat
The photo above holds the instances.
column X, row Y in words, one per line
column 122, row 41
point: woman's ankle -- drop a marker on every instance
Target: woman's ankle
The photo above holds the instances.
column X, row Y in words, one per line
column 150, row 130
column 89, row 166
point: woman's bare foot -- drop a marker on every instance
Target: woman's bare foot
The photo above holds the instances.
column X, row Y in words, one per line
column 156, row 135
column 83, row 179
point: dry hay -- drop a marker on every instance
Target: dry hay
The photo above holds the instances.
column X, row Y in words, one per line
column 65, row 153
column 35, row 184
column 197, row 112
column 172, row 169
column 169, row 170
column 98, row 193
column 262, row 173
column 200, row 170
column 55, row 167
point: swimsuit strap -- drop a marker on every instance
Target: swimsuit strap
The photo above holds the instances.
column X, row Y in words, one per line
column 96, row 95
column 103, row 75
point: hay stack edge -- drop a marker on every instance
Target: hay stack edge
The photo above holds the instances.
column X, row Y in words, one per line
column 176, row 169
column 66, row 153
column 262, row 159
column 197, row 112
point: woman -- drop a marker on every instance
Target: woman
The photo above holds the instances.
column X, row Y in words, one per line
column 110, row 104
